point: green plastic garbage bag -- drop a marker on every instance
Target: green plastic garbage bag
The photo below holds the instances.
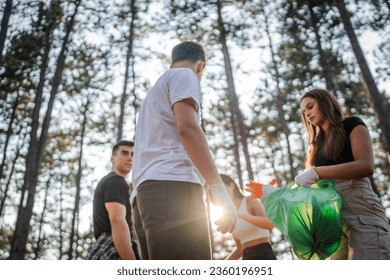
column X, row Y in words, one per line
column 309, row 217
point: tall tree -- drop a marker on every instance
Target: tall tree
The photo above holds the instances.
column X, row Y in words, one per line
column 327, row 72
column 237, row 116
column 36, row 149
column 38, row 244
column 194, row 22
column 4, row 25
column 8, row 136
column 376, row 97
column 76, row 209
column 280, row 100
column 129, row 66
column 11, row 172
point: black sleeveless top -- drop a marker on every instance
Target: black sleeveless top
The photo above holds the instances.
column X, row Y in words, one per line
column 345, row 155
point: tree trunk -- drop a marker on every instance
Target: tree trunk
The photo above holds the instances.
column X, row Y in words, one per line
column 8, row 136
column 376, row 98
column 280, row 100
column 4, row 25
column 327, row 72
column 31, row 157
column 233, row 100
column 236, row 150
column 129, row 56
column 76, row 208
column 61, row 220
column 38, row 243
column 5, row 191
column 135, row 98
column 35, row 153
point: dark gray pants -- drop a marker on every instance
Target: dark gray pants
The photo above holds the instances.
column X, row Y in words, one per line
column 171, row 221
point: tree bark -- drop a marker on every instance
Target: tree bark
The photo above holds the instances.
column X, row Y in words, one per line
column 280, row 102
column 76, row 208
column 8, row 136
column 238, row 121
column 129, row 56
column 4, row 25
column 236, row 150
column 327, row 72
column 38, row 244
column 36, row 150
column 376, row 97
column 7, row 185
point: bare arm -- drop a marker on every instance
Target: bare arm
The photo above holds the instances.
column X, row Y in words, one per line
column 361, row 167
column 260, row 217
column 236, row 254
column 196, row 146
column 120, row 230
column 194, row 141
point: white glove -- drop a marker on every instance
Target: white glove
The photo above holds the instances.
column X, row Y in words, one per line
column 308, row 177
column 221, row 198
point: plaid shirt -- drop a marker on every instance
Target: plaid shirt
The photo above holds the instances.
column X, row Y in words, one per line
column 104, row 249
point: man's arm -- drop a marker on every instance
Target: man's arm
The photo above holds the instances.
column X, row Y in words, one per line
column 120, row 230
column 194, row 140
column 195, row 144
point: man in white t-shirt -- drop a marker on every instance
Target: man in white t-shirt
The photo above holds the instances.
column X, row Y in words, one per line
column 172, row 162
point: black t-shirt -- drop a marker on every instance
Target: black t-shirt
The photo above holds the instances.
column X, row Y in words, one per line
column 111, row 188
column 345, row 155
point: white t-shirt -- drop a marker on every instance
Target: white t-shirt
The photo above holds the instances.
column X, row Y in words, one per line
column 158, row 151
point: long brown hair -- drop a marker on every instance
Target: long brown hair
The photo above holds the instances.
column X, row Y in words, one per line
column 333, row 142
column 228, row 180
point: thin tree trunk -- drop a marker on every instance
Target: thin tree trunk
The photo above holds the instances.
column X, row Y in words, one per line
column 32, row 152
column 35, row 154
column 236, row 150
column 38, row 244
column 280, row 103
column 129, row 55
column 327, row 72
column 7, row 185
column 135, row 98
column 376, row 97
column 8, row 136
column 233, row 100
column 61, row 222
column 76, row 209
column 4, row 25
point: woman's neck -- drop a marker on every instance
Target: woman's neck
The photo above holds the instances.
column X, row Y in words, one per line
column 325, row 126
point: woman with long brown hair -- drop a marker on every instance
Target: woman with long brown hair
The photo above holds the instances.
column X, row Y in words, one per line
column 340, row 149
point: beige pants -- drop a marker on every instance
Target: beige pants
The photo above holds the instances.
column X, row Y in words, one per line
column 366, row 230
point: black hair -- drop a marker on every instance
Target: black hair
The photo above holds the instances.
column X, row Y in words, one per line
column 121, row 143
column 188, row 50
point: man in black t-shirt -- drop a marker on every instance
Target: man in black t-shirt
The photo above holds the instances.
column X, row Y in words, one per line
column 112, row 210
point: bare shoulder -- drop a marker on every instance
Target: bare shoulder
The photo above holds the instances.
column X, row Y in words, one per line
column 251, row 204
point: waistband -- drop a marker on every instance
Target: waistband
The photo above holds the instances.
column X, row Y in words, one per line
column 357, row 182
column 105, row 233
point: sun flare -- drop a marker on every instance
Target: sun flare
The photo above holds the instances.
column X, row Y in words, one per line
column 215, row 212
